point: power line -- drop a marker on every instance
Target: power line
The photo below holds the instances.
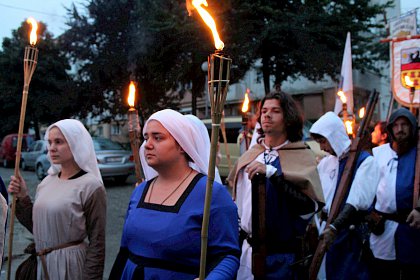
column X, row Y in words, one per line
column 30, row 10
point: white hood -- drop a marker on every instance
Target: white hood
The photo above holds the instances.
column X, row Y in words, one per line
column 81, row 146
column 332, row 127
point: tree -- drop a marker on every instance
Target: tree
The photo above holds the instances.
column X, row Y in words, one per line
column 306, row 38
column 97, row 44
column 159, row 46
column 156, row 43
column 50, row 95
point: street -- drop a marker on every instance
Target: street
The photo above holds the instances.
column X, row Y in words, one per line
column 117, row 202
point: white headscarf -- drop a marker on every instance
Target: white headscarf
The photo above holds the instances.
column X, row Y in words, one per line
column 184, row 134
column 81, row 146
column 332, row 127
column 202, row 142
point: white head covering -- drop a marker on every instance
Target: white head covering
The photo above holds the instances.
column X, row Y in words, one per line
column 332, row 127
column 81, row 146
column 202, row 142
column 184, row 134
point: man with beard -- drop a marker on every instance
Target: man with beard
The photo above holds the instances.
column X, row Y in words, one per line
column 396, row 241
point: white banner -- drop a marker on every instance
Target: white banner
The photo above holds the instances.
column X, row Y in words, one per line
column 404, row 26
column 346, row 80
column 406, row 65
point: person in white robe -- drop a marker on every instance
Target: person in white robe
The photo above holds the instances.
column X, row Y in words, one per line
column 395, row 240
column 292, row 182
column 341, row 262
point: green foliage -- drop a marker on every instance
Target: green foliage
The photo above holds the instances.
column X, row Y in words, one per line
column 158, row 45
column 306, row 38
column 50, row 95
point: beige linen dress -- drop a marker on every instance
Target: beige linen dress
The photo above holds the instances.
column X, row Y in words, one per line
column 66, row 211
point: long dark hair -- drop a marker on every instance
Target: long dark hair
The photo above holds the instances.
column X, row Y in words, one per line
column 293, row 116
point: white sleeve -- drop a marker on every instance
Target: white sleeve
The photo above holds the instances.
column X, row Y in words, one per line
column 244, row 200
column 365, row 183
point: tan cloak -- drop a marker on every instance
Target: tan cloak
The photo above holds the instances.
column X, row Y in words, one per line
column 298, row 165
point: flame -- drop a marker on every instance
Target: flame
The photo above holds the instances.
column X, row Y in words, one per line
column 32, row 36
column 208, row 19
column 131, row 94
column 245, row 105
column 349, row 127
column 362, row 112
column 342, row 96
column 408, row 81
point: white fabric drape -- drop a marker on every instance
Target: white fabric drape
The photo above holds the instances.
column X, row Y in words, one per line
column 383, row 246
column 81, row 146
column 186, row 134
column 365, row 182
column 346, row 79
column 332, row 127
column 202, row 142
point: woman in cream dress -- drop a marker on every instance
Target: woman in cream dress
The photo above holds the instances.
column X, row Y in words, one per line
column 67, row 217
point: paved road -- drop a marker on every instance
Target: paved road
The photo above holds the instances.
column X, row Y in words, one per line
column 117, row 196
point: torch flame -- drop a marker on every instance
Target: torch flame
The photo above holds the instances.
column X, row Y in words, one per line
column 349, row 127
column 362, row 112
column 32, row 36
column 208, row 19
column 131, row 94
column 245, row 105
column 408, row 81
column 342, row 96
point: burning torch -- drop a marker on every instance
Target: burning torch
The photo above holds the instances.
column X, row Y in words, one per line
column 29, row 64
column 218, row 82
column 347, row 121
column 245, row 109
column 134, row 131
column 362, row 112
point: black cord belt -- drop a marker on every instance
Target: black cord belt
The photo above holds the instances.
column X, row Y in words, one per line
column 163, row 264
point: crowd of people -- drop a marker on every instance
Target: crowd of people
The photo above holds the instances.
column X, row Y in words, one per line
column 376, row 234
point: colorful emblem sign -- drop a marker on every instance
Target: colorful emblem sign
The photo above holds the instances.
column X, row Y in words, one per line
column 406, row 71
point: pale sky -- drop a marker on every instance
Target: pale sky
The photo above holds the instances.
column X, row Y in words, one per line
column 53, row 13
column 50, row 12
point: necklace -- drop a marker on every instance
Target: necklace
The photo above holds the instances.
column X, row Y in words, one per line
column 172, row 192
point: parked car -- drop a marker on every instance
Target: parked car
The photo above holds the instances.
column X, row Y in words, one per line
column 42, row 164
column 113, row 161
column 28, row 160
column 8, row 148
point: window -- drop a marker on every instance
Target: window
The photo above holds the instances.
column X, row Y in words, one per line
column 100, row 131
column 115, row 129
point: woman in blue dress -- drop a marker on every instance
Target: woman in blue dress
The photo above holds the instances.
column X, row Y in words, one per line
column 162, row 230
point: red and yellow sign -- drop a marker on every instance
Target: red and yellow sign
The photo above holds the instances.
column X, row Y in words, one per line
column 410, row 66
column 406, row 71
